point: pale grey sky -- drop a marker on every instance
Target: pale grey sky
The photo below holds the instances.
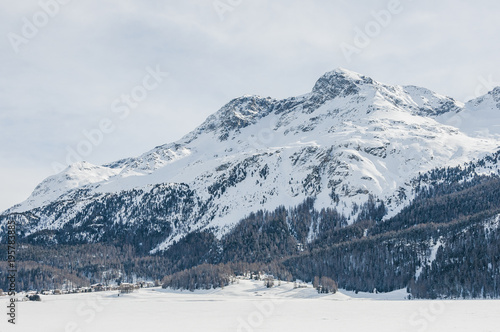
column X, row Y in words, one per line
column 65, row 64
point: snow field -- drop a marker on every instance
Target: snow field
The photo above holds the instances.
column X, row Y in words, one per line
column 249, row 306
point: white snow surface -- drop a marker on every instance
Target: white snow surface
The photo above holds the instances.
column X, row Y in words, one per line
column 351, row 136
column 249, row 306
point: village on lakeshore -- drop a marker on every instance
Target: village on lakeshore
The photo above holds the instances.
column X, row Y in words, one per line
column 126, row 288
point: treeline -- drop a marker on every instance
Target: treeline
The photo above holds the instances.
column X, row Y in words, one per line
column 267, row 236
column 55, row 266
column 34, row 276
column 210, row 276
column 384, row 263
column 204, row 276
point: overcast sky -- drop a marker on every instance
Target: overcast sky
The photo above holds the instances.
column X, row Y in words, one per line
column 66, row 65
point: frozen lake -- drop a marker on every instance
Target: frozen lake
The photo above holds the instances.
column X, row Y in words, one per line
column 249, row 306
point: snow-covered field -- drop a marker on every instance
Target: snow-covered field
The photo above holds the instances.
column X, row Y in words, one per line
column 249, row 306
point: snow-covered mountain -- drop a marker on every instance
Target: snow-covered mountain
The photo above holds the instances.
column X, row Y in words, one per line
column 349, row 138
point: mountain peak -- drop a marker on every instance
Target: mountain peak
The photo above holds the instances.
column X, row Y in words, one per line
column 495, row 93
column 346, row 73
column 236, row 114
column 81, row 166
column 490, row 101
column 340, row 82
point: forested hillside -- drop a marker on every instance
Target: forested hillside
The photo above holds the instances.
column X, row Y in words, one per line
column 446, row 243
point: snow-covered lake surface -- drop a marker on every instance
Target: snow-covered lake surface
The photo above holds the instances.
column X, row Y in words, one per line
column 249, row 306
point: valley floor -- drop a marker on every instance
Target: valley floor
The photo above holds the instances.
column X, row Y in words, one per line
column 249, row 306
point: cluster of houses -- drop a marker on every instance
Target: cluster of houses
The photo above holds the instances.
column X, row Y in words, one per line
column 270, row 280
column 99, row 287
column 254, row 276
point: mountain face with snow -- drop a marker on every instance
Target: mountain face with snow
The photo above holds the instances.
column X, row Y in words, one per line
column 348, row 140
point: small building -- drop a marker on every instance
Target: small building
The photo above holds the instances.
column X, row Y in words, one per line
column 126, row 288
column 97, row 287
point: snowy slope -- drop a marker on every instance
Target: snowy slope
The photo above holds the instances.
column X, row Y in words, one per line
column 77, row 175
column 480, row 117
column 348, row 138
